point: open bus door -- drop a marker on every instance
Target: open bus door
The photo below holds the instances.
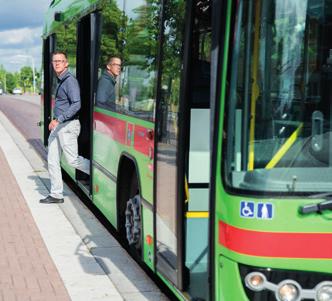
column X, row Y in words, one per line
column 183, row 149
column 86, row 43
column 46, row 97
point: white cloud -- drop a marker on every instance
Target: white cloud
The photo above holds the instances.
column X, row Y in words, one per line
column 20, row 37
column 14, row 59
column 20, row 32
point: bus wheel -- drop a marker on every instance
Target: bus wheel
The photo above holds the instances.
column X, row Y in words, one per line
column 133, row 222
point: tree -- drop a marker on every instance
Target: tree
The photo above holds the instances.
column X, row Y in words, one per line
column 26, row 76
column 113, row 32
column 2, row 77
column 11, row 82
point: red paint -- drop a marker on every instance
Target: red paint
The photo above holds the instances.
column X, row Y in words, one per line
column 110, row 126
column 275, row 244
column 130, row 132
column 124, row 133
column 143, row 142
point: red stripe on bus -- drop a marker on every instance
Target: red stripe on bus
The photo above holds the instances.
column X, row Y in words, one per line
column 275, row 244
column 142, row 142
column 130, row 129
column 110, row 126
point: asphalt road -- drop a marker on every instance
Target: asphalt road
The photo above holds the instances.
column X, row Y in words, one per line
column 24, row 112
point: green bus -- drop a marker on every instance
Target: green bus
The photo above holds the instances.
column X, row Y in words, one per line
column 214, row 159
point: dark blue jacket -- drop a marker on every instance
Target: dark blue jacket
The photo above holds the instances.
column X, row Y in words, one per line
column 106, row 89
column 67, row 98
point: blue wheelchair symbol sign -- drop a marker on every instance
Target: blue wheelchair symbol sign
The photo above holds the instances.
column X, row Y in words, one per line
column 265, row 211
column 247, row 209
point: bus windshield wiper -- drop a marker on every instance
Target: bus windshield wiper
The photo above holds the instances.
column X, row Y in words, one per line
column 319, row 207
column 323, row 195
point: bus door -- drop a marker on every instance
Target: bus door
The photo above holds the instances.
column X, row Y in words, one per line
column 85, row 65
column 183, row 150
column 46, row 98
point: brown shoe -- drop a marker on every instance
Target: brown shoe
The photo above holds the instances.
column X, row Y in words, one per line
column 51, row 200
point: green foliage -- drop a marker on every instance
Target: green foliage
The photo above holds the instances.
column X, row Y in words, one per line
column 142, row 34
column 66, row 38
column 113, row 37
column 22, row 79
column 11, row 81
column 172, row 48
column 134, row 36
column 2, row 77
column 26, row 77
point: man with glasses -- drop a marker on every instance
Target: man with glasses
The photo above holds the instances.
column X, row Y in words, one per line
column 106, row 85
column 65, row 128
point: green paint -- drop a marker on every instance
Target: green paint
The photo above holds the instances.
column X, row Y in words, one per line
column 219, row 275
column 229, row 286
column 105, row 196
column 70, row 9
column 108, row 153
column 148, row 250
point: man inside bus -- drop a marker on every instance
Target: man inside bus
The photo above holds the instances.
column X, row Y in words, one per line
column 106, row 85
column 65, row 128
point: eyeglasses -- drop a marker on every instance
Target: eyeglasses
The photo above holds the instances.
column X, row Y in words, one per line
column 58, row 61
column 114, row 64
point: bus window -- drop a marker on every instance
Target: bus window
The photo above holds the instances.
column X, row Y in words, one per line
column 111, row 45
column 279, row 102
column 130, row 32
column 138, row 79
column 200, row 91
column 66, row 41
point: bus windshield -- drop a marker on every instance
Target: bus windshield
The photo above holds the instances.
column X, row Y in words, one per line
column 278, row 129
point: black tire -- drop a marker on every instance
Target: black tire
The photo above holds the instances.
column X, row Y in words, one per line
column 133, row 222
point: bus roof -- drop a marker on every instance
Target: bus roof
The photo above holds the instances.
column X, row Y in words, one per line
column 68, row 10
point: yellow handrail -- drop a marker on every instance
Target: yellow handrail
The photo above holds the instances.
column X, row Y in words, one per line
column 284, row 148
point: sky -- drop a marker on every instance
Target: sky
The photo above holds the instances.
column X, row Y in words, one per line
column 21, row 23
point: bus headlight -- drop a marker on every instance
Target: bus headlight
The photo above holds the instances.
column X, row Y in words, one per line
column 288, row 291
column 324, row 292
column 255, row 281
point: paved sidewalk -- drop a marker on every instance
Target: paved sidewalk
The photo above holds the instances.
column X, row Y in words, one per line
column 27, row 271
column 82, row 261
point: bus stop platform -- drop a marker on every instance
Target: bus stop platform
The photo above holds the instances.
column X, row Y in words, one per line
column 56, row 251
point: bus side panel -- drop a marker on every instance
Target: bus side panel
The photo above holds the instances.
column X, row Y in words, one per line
column 105, row 189
column 148, row 250
column 229, row 285
column 116, row 134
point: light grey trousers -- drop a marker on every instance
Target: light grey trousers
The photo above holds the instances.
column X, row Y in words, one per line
column 63, row 139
